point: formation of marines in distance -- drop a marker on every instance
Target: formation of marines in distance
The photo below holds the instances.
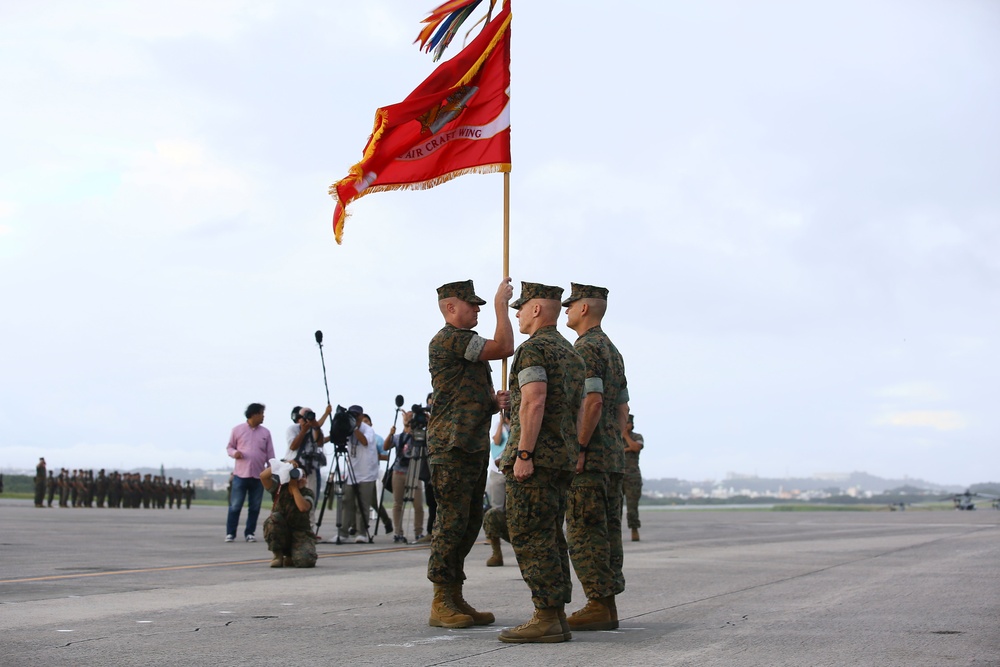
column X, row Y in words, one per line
column 82, row 488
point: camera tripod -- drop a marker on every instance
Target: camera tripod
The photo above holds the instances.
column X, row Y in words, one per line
column 412, row 489
column 335, row 482
column 413, row 483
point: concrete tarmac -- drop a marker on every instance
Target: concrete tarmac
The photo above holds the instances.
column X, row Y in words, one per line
column 742, row 588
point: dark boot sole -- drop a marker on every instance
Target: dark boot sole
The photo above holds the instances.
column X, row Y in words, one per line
column 545, row 639
column 604, row 625
column 435, row 623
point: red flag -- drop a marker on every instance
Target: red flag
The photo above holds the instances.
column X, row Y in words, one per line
column 456, row 122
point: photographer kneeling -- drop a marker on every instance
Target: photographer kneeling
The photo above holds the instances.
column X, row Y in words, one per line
column 287, row 530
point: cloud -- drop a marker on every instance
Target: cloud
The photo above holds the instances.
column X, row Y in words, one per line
column 912, row 391
column 221, row 20
column 940, row 420
column 188, row 185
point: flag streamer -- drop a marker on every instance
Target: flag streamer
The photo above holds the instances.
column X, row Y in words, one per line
column 443, row 23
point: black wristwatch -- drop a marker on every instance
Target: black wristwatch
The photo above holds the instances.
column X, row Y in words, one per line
column 584, row 448
column 525, row 455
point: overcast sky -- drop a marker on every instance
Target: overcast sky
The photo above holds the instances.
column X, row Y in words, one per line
column 795, row 206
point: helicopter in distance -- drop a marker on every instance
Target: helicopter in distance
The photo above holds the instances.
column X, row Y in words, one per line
column 969, row 500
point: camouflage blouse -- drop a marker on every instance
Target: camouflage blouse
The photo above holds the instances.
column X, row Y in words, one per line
column 606, row 376
column 284, row 503
column 632, row 458
column 463, row 393
column 548, row 357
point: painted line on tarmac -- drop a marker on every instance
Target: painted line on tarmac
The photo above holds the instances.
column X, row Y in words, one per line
column 171, row 568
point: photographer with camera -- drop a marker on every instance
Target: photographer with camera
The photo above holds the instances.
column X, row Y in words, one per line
column 287, row 530
column 305, row 445
column 405, row 473
column 359, row 483
column 383, row 455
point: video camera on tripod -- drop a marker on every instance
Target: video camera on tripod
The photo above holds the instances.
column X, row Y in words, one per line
column 341, row 428
column 418, row 431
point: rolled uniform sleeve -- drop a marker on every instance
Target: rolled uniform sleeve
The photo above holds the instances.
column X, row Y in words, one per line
column 475, row 348
column 532, row 374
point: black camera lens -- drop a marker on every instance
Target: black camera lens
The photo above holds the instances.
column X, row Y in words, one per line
column 309, row 416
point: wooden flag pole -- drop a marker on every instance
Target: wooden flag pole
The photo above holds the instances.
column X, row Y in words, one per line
column 506, row 257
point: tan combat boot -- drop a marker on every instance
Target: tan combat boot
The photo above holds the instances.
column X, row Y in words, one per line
column 613, row 606
column 444, row 613
column 496, row 559
column 567, row 635
column 278, row 560
column 544, row 627
column 635, row 534
column 595, row 615
column 478, row 617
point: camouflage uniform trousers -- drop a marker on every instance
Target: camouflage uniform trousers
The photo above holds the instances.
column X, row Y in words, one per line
column 282, row 538
column 495, row 524
column 633, row 491
column 615, row 481
column 535, row 510
column 459, row 485
column 588, row 515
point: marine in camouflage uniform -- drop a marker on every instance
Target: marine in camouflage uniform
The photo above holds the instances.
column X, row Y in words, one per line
column 146, row 491
column 128, row 490
column 495, row 524
column 63, row 484
column 594, row 504
column 287, row 530
column 88, row 489
column 632, row 483
column 74, row 489
column 547, row 379
column 495, row 527
column 458, row 440
column 115, row 490
column 51, row 486
column 40, row 479
column 101, row 487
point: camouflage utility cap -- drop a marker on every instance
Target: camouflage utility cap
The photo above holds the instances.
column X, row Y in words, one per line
column 462, row 290
column 531, row 291
column 578, row 292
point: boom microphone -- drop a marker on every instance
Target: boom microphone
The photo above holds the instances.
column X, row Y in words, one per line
column 319, row 337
